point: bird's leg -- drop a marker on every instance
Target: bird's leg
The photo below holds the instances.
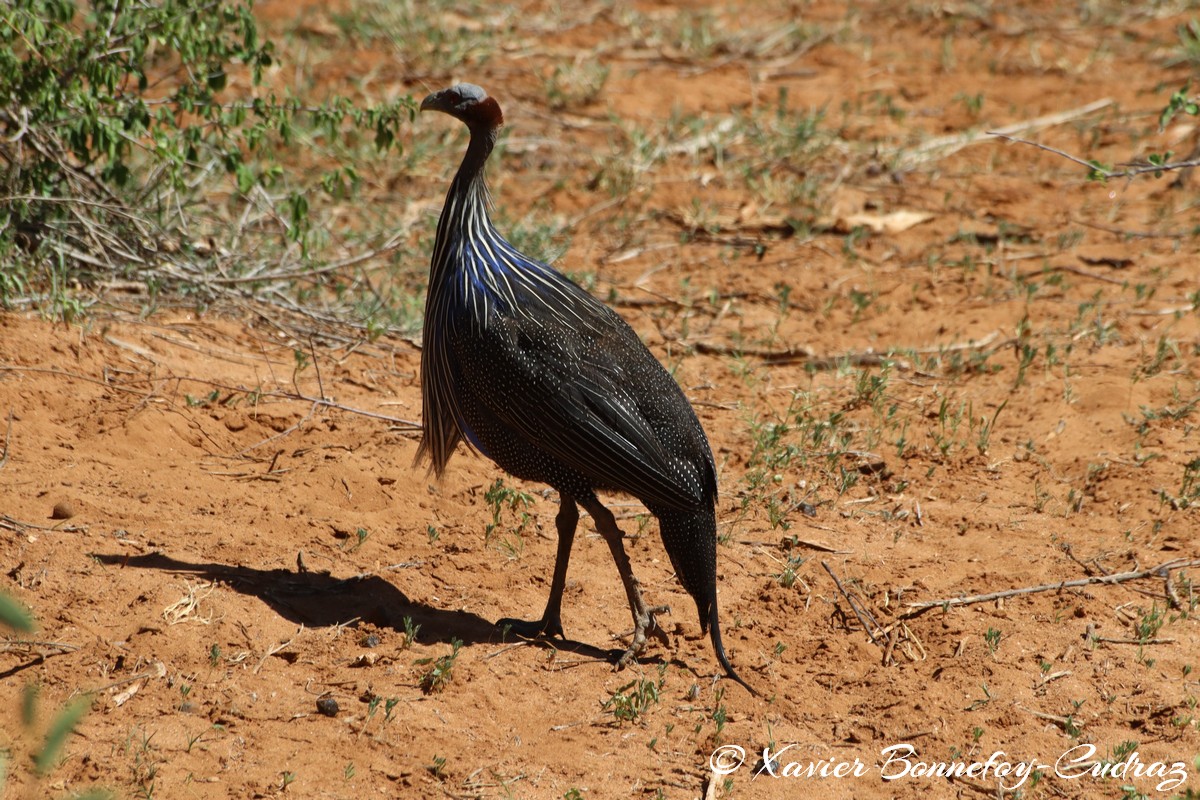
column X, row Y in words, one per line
column 551, row 622
column 644, row 622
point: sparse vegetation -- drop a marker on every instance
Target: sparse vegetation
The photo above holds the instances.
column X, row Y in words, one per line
column 410, row 633
column 441, row 669
column 1001, row 394
column 504, row 500
column 127, row 149
column 787, row 578
column 631, row 702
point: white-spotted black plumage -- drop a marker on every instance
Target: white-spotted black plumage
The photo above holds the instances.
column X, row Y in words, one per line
column 555, row 387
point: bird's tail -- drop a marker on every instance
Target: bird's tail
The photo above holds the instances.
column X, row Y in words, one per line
column 690, row 539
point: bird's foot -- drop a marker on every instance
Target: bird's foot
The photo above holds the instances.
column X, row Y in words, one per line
column 532, row 628
column 646, row 624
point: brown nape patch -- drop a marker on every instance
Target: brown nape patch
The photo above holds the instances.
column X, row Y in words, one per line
column 488, row 113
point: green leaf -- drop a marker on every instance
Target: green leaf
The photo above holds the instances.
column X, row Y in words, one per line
column 62, row 727
column 384, row 137
column 1179, row 102
column 297, row 205
column 15, row 615
column 1098, row 172
column 245, row 178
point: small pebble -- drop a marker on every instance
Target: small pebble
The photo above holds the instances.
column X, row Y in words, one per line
column 371, row 640
column 328, row 706
column 62, row 510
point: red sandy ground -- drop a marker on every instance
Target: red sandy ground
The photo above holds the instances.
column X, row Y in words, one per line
column 184, row 500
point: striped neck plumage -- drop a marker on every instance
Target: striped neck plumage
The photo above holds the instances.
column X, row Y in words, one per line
column 465, row 214
column 475, row 268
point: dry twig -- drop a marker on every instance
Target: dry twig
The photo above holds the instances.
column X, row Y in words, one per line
column 13, row 524
column 7, row 439
column 276, row 648
column 157, row 670
column 1117, row 577
column 855, row 606
column 27, row 645
column 945, row 145
column 1097, row 170
column 864, row 358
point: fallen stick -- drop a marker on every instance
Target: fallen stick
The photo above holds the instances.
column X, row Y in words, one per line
column 945, row 145
column 1111, row 640
column 7, row 439
column 870, row 629
column 26, row 645
column 272, row 650
column 1118, row 577
column 1094, row 168
column 157, row 670
column 896, row 356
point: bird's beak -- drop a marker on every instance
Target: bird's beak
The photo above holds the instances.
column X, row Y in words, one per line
column 433, row 102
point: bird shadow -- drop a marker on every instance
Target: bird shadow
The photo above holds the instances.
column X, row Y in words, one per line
column 318, row 600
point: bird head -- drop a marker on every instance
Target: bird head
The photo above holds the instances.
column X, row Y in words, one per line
column 466, row 102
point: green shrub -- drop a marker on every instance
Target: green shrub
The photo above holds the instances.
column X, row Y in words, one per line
column 132, row 133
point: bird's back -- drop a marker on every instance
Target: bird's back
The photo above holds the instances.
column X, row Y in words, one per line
column 555, row 387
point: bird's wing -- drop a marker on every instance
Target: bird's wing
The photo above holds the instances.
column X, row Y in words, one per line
column 576, row 398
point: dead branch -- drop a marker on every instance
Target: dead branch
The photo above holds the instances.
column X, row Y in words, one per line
column 1163, row 312
column 1083, row 273
column 1052, row 676
column 7, row 439
column 856, row 359
column 306, row 273
column 945, row 145
column 1125, row 233
column 276, row 648
column 27, row 645
column 1094, row 169
column 1118, row 577
column 157, row 670
column 14, row 524
column 77, row 376
column 800, row 356
column 855, row 606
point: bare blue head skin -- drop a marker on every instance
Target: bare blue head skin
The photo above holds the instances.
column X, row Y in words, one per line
column 469, row 103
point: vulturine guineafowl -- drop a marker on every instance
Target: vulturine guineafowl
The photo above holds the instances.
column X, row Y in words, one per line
column 552, row 385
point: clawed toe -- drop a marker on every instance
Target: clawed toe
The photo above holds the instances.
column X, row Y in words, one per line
column 646, row 625
column 656, row 630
